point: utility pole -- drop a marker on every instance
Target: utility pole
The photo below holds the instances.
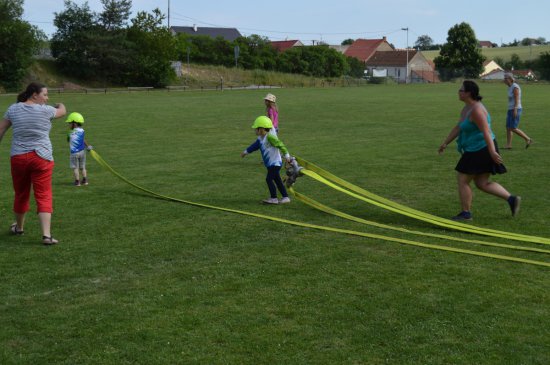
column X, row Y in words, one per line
column 407, row 66
column 168, row 14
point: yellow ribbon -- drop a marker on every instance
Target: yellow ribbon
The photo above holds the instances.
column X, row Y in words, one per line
column 343, row 186
column 104, row 164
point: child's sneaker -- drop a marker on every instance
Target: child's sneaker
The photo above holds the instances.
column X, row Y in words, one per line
column 84, row 181
column 462, row 216
column 284, row 200
column 76, row 183
column 271, row 201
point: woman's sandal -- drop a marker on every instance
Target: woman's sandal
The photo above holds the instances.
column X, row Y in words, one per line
column 15, row 231
column 48, row 241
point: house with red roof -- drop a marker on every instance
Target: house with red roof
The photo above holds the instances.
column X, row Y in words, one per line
column 524, row 75
column 485, row 44
column 364, row 49
column 281, row 46
column 498, row 74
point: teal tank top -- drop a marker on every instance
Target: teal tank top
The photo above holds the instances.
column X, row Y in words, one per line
column 470, row 138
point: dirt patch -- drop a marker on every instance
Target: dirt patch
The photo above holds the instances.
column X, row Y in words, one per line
column 71, row 86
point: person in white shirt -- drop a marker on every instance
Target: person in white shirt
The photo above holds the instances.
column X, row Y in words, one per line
column 514, row 112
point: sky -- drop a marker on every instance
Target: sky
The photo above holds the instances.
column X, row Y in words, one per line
column 334, row 21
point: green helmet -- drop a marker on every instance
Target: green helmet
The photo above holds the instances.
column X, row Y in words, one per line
column 75, row 117
column 262, row 122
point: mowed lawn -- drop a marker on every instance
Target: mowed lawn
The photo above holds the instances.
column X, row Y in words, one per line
column 140, row 280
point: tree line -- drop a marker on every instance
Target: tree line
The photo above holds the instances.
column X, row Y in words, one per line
column 462, row 57
column 110, row 47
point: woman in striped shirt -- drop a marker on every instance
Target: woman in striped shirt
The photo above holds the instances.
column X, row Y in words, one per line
column 31, row 155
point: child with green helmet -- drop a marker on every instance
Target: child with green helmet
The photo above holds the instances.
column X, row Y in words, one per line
column 270, row 145
column 78, row 146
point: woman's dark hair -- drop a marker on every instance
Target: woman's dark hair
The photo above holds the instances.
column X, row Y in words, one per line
column 472, row 88
column 33, row 87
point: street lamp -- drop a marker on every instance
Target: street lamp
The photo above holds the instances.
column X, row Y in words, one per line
column 407, row 67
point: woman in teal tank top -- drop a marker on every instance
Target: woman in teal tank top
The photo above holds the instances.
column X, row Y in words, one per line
column 480, row 158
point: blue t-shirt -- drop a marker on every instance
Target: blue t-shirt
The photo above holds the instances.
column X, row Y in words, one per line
column 76, row 140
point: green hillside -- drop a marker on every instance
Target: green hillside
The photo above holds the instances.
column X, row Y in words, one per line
column 526, row 53
column 194, row 77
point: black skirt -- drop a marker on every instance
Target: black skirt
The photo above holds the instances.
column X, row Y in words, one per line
column 479, row 162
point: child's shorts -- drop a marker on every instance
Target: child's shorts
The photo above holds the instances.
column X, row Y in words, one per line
column 78, row 160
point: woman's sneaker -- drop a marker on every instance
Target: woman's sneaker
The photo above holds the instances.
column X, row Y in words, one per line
column 271, row 201
column 462, row 216
column 514, row 202
column 284, row 200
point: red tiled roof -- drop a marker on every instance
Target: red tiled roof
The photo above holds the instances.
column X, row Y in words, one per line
column 390, row 58
column 521, row 73
column 363, row 49
column 282, row 46
column 487, row 44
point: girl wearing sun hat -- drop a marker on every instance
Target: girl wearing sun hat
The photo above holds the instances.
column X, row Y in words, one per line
column 271, row 110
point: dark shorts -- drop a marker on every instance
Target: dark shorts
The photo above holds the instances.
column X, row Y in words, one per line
column 479, row 162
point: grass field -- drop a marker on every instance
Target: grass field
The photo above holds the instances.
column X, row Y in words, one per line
column 525, row 53
column 139, row 280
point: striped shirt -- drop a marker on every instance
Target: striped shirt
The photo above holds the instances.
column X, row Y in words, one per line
column 31, row 125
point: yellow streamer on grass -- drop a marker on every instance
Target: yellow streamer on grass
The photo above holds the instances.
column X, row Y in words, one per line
column 105, row 165
column 357, row 192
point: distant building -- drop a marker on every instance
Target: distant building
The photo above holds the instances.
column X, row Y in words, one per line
column 394, row 64
column 524, row 75
column 364, row 49
column 489, row 66
column 485, row 44
column 498, row 74
column 229, row 34
column 281, row 46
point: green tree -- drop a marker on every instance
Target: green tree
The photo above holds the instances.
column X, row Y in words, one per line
column 115, row 13
column 256, row 52
column 347, row 42
column 153, row 50
column 424, row 42
column 19, row 41
column 319, row 61
column 356, row 68
column 74, row 38
column 543, row 65
column 460, row 56
column 515, row 62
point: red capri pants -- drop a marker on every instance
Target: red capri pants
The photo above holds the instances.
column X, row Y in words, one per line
column 30, row 169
